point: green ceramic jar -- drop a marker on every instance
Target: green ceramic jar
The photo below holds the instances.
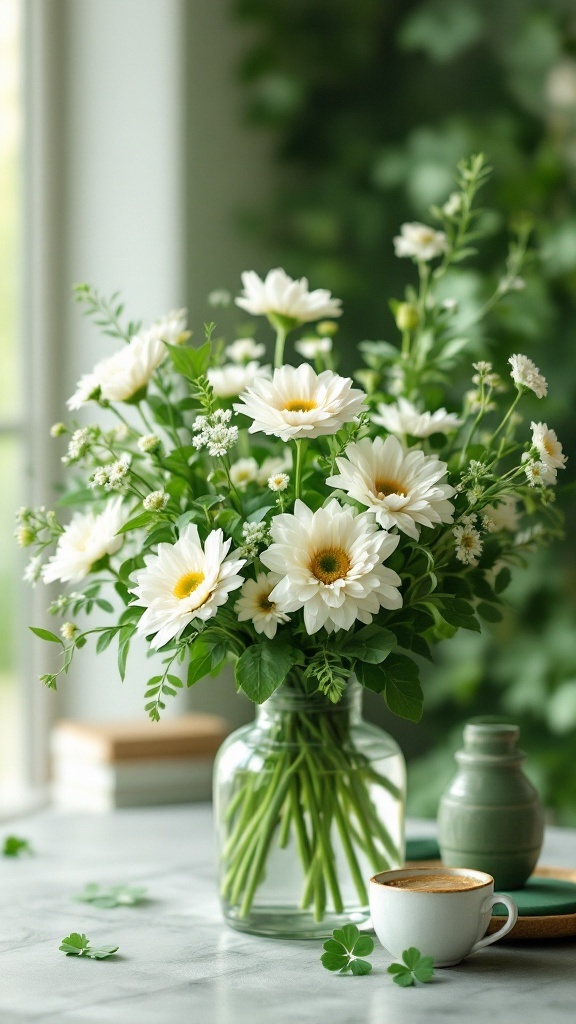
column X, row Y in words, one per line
column 490, row 817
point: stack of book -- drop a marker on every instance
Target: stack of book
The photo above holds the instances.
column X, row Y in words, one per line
column 100, row 766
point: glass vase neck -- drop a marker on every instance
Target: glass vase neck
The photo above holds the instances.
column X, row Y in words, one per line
column 288, row 698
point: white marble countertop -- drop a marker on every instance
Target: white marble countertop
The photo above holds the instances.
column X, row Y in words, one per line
column 178, row 962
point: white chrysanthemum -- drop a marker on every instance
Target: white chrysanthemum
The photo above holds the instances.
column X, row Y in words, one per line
column 171, row 328
column 184, row 581
column 420, row 242
column 406, row 489
column 86, row 539
column 86, row 388
column 230, row 380
column 311, row 348
column 405, row 418
column 281, row 295
column 549, row 447
column 503, row 516
column 255, row 606
column 129, row 370
column 538, row 474
column 243, row 350
column 278, row 482
column 298, row 402
column 244, row 472
column 330, row 562
column 526, row 374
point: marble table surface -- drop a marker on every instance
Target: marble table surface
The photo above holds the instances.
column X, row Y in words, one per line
column 178, row 962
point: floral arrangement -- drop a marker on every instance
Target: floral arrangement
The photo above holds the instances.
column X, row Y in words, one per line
column 308, row 529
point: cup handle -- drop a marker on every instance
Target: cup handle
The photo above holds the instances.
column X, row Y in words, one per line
column 507, row 927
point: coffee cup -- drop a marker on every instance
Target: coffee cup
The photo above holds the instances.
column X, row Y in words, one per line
column 444, row 912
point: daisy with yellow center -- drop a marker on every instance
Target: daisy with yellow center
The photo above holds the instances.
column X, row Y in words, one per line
column 184, row 581
column 255, row 606
column 549, row 449
column 86, row 539
column 300, row 403
column 403, row 488
column 329, row 563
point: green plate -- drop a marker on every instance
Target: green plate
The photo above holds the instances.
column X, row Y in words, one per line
column 541, row 897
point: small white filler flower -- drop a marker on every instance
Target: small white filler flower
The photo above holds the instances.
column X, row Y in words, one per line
column 254, row 604
column 184, row 581
column 298, row 402
column 468, row 542
column 405, row 418
column 86, row 539
column 420, row 242
column 406, row 489
column 526, row 374
column 280, row 295
column 330, row 564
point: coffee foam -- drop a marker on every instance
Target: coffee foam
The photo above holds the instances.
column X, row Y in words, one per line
column 436, row 882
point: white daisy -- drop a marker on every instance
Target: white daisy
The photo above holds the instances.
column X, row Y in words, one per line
column 330, row 562
column 420, row 242
column 244, row 349
column 229, row 380
column 278, row 482
column 405, row 418
column 406, row 489
column 244, row 472
column 86, row 389
column 281, row 295
column 311, row 348
column 184, row 581
column 86, row 539
column 298, row 402
column 526, row 374
column 129, row 370
column 549, row 447
column 538, row 474
column 171, row 328
column 254, row 604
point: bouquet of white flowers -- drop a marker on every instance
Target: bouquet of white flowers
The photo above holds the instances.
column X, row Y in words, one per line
column 305, row 529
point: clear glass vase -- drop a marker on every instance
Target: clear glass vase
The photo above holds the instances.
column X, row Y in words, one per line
column 309, row 804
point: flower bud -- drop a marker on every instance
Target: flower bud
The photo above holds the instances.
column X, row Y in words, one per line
column 406, row 317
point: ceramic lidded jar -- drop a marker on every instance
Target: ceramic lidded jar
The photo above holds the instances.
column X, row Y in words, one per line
column 490, row 818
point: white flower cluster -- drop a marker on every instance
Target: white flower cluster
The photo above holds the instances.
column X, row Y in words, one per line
column 545, row 458
column 255, row 535
column 78, row 445
column 468, row 541
column 213, row 433
column 526, row 374
column 150, row 444
column 156, row 501
column 113, row 477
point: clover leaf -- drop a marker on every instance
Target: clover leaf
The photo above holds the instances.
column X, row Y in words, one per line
column 78, row 945
column 415, row 968
column 344, row 950
column 111, row 896
column 14, row 846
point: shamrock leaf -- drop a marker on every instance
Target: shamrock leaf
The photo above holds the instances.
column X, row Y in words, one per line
column 415, row 968
column 113, row 896
column 78, row 945
column 344, row 949
column 14, row 846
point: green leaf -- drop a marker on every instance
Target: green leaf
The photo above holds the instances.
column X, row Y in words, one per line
column 190, row 362
column 332, row 946
column 206, row 655
column 262, row 667
column 371, row 644
column 140, row 520
column 404, row 978
column 74, row 944
column 363, row 946
column 334, row 962
column 502, row 580
column 112, row 896
column 424, row 970
column 359, row 967
column 101, row 953
column 414, row 968
column 403, row 693
column 45, row 634
column 373, row 677
column 411, row 957
column 14, row 846
column 489, row 612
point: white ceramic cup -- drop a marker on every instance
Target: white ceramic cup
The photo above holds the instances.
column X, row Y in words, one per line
column 446, row 925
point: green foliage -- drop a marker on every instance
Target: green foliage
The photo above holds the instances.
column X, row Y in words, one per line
column 344, row 951
column 414, row 967
column 14, row 846
column 76, row 944
column 263, row 667
column 107, row 897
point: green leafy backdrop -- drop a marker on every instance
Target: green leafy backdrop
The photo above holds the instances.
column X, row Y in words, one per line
column 371, row 105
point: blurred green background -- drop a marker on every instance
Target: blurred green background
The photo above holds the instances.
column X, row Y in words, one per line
column 370, row 105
